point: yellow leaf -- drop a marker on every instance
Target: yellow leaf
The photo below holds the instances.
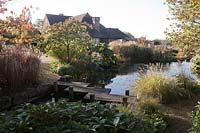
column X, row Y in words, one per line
column 198, row 1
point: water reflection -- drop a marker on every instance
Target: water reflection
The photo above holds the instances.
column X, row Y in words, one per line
column 126, row 78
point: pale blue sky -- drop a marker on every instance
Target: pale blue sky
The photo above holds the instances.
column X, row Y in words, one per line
column 139, row 17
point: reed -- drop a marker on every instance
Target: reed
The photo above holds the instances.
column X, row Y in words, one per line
column 155, row 84
column 19, row 66
column 130, row 52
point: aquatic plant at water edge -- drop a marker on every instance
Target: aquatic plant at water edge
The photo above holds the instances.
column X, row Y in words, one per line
column 154, row 84
column 130, row 52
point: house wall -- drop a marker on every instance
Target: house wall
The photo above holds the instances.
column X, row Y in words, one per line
column 104, row 40
column 97, row 40
column 119, row 40
column 111, row 40
column 46, row 22
column 96, row 22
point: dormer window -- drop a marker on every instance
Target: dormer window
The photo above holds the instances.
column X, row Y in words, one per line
column 97, row 19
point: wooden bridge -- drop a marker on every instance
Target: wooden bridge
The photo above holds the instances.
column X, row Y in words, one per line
column 90, row 94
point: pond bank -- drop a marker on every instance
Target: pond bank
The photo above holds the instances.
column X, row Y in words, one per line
column 126, row 78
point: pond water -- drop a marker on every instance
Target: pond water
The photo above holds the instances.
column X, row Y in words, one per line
column 126, row 79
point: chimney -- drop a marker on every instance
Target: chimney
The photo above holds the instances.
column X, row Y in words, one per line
column 96, row 22
column 61, row 14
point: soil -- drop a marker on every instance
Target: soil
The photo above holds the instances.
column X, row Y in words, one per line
column 45, row 76
column 180, row 115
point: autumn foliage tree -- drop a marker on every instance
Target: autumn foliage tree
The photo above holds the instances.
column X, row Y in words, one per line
column 17, row 29
column 19, row 65
column 2, row 4
column 185, row 29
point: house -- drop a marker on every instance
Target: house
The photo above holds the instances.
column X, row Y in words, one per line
column 99, row 32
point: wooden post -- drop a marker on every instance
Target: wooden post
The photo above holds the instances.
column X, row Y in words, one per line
column 84, row 79
column 71, row 93
column 125, row 101
column 127, row 92
column 92, row 97
column 55, row 86
column 103, row 85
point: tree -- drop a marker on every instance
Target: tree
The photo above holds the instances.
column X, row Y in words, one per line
column 185, row 29
column 38, row 24
column 17, row 29
column 2, row 4
column 70, row 37
column 143, row 41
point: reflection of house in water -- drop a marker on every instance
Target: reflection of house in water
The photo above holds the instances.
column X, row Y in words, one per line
column 99, row 32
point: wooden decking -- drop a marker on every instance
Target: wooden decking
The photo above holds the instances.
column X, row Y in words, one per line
column 110, row 98
column 97, row 94
column 78, row 84
column 82, row 87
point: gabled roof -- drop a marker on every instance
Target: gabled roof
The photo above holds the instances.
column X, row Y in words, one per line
column 80, row 17
column 96, row 34
column 84, row 18
column 56, row 18
column 105, row 33
column 113, row 33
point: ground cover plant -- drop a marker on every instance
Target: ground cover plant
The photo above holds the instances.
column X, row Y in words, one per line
column 196, row 120
column 80, row 117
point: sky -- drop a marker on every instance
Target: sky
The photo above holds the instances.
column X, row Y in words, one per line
column 139, row 17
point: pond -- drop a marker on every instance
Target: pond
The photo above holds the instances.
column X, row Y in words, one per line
column 125, row 79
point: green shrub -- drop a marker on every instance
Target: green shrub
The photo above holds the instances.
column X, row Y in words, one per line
column 61, row 69
column 79, row 117
column 159, row 121
column 196, row 120
column 59, row 52
column 54, row 67
column 66, row 69
column 95, row 66
column 149, row 106
column 125, row 109
column 196, row 64
column 83, row 71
